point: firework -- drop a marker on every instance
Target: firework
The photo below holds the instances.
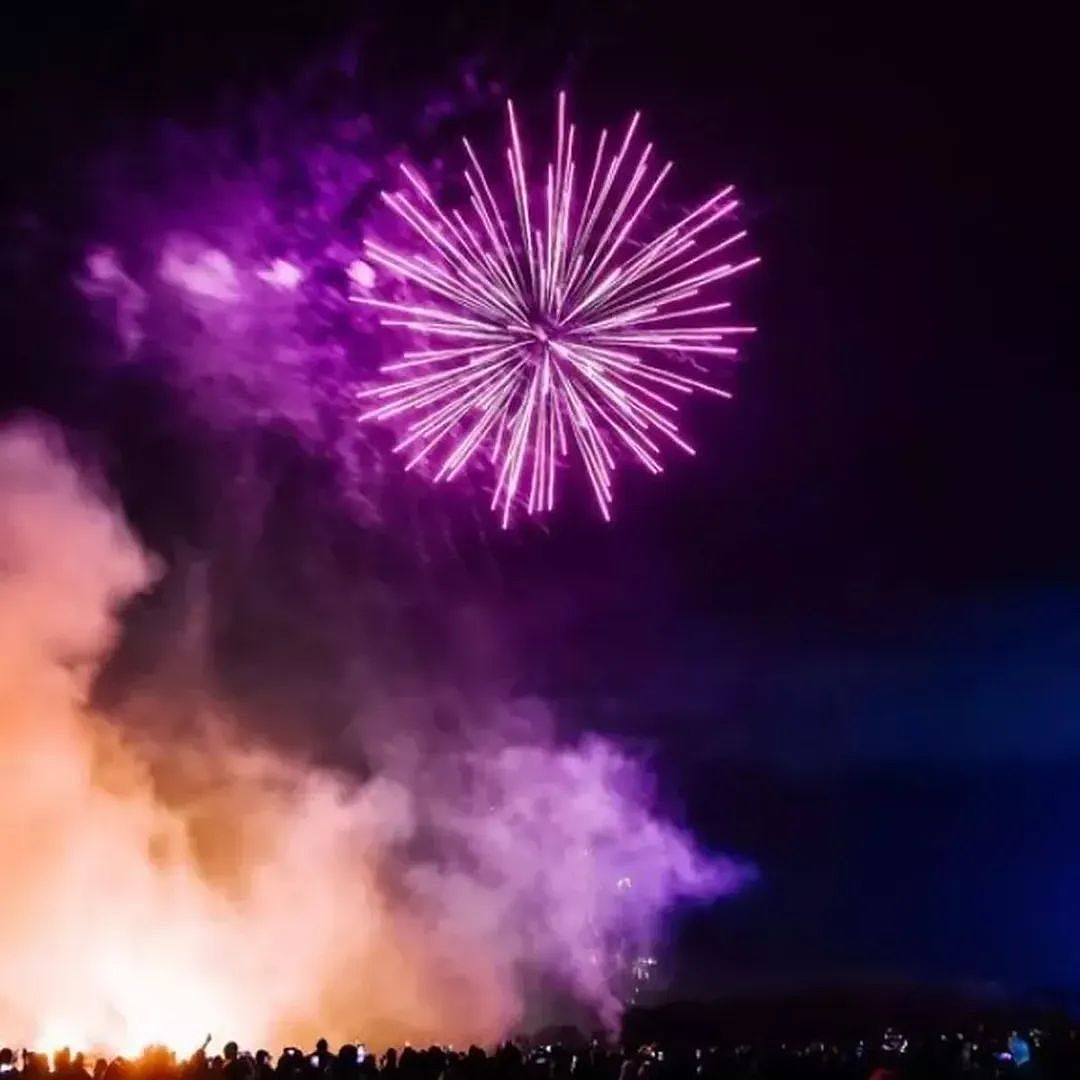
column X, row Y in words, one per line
column 554, row 331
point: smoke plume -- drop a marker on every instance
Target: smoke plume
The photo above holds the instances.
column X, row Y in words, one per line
column 163, row 881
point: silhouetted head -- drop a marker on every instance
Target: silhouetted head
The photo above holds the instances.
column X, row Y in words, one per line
column 6, row 1056
column 231, row 1051
column 322, row 1047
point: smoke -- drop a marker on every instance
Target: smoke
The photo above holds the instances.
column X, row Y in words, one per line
column 224, row 255
column 169, row 878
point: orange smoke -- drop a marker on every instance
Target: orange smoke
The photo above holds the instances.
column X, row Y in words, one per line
column 251, row 906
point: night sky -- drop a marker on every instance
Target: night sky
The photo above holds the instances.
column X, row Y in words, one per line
column 848, row 630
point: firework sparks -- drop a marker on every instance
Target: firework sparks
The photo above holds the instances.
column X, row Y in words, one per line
column 552, row 331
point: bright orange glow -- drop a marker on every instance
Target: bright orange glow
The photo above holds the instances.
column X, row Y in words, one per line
column 164, row 878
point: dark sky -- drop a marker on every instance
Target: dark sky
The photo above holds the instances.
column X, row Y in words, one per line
column 849, row 627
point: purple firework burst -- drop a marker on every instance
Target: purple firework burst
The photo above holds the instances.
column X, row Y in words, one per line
column 557, row 331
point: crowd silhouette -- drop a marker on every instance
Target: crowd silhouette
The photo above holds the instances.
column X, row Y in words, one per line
column 889, row 1057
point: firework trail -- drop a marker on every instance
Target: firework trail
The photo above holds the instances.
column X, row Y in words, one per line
column 541, row 339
